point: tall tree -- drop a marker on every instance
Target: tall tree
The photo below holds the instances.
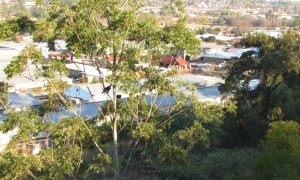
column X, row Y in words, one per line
column 274, row 65
column 112, row 31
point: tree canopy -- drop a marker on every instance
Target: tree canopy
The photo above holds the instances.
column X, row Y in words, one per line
column 280, row 152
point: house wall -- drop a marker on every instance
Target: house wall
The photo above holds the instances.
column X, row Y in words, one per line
column 5, row 138
column 98, row 98
column 39, row 142
column 212, row 60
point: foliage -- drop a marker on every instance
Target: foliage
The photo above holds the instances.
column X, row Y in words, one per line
column 211, row 165
column 280, row 151
column 274, row 65
column 211, row 39
column 111, row 32
column 20, row 25
column 4, row 102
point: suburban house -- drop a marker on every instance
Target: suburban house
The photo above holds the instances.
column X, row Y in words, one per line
column 87, row 93
column 218, row 37
column 78, row 70
column 8, row 52
column 177, row 63
column 213, row 49
column 110, row 59
column 210, row 94
column 21, row 102
column 274, row 34
column 240, row 52
column 198, row 80
column 61, row 55
column 207, row 88
column 23, row 83
column 218, row 58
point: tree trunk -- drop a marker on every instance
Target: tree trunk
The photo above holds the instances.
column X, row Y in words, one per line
column 115, row 149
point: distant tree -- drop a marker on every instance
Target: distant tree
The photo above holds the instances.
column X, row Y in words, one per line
column 211, row 39
column 4, row 9
column 260, row 22
column 44, row 31
column 201, row 31
column 297, row 22
column 20, row 25
column 203, row 20
column 220, row 42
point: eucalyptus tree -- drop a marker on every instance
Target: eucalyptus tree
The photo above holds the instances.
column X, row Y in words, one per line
column 112, row 32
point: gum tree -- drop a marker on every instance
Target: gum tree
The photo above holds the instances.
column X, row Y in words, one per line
column 114, row 33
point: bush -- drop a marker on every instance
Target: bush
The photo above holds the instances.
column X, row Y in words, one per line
column 218, row 164
column 211, row 39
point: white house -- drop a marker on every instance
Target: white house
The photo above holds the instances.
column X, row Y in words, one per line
column 218, row 37
column 89, row 70
column 19, row 102
column 209, row 94
column 199, row 80
column 218, row 58
column 5, row 138
column 240, row 52
column 275, row 34
column 92, row 92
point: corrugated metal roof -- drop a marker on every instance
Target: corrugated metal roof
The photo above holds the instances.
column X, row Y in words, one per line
column 17, row 100
column 208, row 92
column 88, row 69
column 221, row 55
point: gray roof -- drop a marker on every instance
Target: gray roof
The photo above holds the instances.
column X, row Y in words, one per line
column 161, row 101
column 221, row 55
column 215, row 47
column 18, row 100
column 198, row 80
column 87, row 110
column 208, row 92
column 23, row 100
column 90, row 110
column 94, row 89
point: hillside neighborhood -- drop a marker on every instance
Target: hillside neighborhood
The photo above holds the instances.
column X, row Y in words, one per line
column 149, row 90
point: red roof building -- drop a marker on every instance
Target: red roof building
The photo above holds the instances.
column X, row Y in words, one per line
column 180, row 64
column 174, row 61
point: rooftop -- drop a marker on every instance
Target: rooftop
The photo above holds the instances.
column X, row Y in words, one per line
column 222, row 55
column 174, row 61
column 88, row 69
column 18, row 100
